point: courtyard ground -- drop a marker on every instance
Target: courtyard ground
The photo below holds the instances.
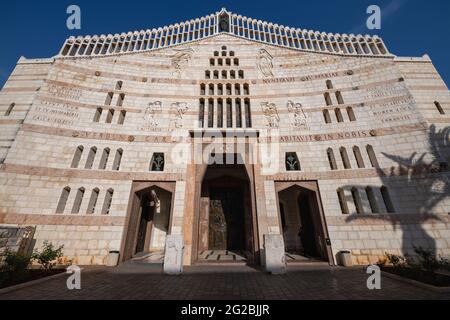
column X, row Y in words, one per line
column 146, row 282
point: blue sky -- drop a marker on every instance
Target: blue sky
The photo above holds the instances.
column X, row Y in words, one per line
column 37, row 29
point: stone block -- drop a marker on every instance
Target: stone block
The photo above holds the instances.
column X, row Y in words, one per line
column 275, row 253
column 173, row 257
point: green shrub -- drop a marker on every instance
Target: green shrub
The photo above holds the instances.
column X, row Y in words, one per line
column 13, row 265
column 48, row 256
column 397, row 261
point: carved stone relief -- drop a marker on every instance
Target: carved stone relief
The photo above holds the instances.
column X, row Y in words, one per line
column 180, row 60
column 177, row 111
column 271, row 113
column 265, row 63
column 299, row 119
column 152, row 116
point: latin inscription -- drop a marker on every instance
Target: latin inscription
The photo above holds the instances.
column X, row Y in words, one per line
column 64, row 92
column 56, row 113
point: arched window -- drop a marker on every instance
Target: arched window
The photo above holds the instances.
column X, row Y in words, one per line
column 229, row 114
column 108, row 201
column 119, row 85
column 210, row 113
column 358, row 157
column 439, row 107
column 117, row 160
column 351, row 114
column 228, row 89
column 327, row 99
column 237, row 89
column 231, row 53
column 329, row 85
column 344, row 157
column 78, row 200
column 372, row 156
column 93, row 201
column 220, row 62
column 104, row 159
column 387, row 200
column 224, row 47
column 77, row 157
column 339, row 98
column 228, row 62
column 241, row 74
column 110, row 116
column 220, row 113
column 91, row 158
column 208, row 74
column 216, row 53
column 10, row 109
column 216, row 74
column 201, row 113
column 246, row 89
column 357, row 200
column 372, row 200
column 238, row 113
column 224, row 53
column 120, row 99
column 248, row 113
column 236, row 61
column 224, row 74
column 326, row 116
column 342, row 201
column 232, row 74
column 109, row 98
column 211, row 89
column 338, row 113
column 292, row 162
column 202, row 89
column 98, row 114
column 331, row 159
column 122, row 116
column 63, row 200
column 211, row 62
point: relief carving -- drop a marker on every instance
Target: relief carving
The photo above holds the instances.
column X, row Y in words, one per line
column 180, row 60
column 151, row 116
column 265, row 63
column 177, row 110
column 271, row 113
column 300, row 119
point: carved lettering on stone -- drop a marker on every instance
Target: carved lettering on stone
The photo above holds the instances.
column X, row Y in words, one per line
column 64, row 92
column 298, row 116
column 265, row 63
column 177, row 111
column 180, row 60
column 271, row 113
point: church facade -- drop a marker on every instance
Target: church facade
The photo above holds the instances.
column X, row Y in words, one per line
column 227, row 132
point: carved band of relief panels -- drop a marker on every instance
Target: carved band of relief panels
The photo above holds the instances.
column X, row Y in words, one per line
column 297, row 115
column 153, row 116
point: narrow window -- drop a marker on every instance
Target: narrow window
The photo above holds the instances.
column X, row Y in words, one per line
column 439, row 107
column 210, row 113
column 201, row 113
column 216, row 53
column 338, row 113
column 109, row 98
column 157, row 163
column 78, row 200
column 241, row 74
column 63, row 200
column 238, row 113
column 292, row 163
column 108, row 201
column 110, row 116
column 117, row 160
column 104, row 159
column 224, row 74
column 93, row 201
column 211, row 62
column 387, row 200
column 339, row 98
column 228, row 89
column 246, row 89
column 122, row 116
column 120, row 99
column 248, row 113
column 220, row 89
column 342, row 201
column 229, row 114
column 77, row 157
column 372, row 200
column 344, row 157
column 232, row 74
column 327, row 99
column 329, row 85
column 237, row 89
column 231, row 53
column 10, row 109
column 211, row 89
column 220, row 113
column 357, row 200
column 91, row 157
column 202, row 89
column 216, row 74
column 372, row 157
column 228, row 62
column 358, row 157
column 98, row 114
column 236, row 61
column 326, row 116
column 331, row 159
column 351, row 114
column 208, row 74
column 119, row 85
column 220, row 62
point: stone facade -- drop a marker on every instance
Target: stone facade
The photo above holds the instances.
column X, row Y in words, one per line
column 374, row 127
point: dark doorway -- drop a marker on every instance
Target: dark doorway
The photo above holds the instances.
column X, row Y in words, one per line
column 307, row 231
column 145, row 223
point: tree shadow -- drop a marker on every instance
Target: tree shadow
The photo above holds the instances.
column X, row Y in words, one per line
column 430, row 173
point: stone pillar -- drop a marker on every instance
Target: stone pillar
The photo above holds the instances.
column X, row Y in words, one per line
column 275, row 256
column 173, row 258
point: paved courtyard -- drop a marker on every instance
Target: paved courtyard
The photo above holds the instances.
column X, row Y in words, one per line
column 221, row 283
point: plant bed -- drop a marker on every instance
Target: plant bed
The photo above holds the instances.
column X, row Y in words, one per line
column 27, row 276
column 436, row 279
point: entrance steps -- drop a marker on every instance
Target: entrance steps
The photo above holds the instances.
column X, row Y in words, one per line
column 149, row 258
column 221, row 257
column 299, row 260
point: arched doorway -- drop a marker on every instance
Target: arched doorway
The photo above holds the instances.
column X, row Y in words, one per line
column 303, row 224
column 148, row 222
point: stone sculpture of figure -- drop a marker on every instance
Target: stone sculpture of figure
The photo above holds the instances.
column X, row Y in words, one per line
column 300, row 117
column 178, row 109
column 151, row 111
column 180, row 59
column 265, row 63
column 271, row 113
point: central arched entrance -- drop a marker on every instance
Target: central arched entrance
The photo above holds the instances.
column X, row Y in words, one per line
column 226, row 231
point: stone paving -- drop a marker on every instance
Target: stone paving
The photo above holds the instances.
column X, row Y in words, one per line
column 146, row 282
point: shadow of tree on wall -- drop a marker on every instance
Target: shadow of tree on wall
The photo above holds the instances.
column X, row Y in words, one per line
column 428, row 173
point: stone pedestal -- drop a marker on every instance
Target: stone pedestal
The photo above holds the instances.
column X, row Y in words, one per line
column 274, row 253
column 173, row 256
